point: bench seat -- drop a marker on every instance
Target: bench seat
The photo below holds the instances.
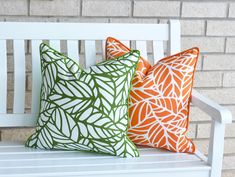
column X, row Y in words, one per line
column 17, row 160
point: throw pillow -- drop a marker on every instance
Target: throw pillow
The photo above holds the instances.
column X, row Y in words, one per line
column 160, row 99
column 84, row 109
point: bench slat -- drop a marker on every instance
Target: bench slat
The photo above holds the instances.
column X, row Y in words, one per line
column 60, row 161
column 73, row 50
column 3, row 77
column 83, row 31
column 55, row 44
column 126, row 43
column 36, row 76
column 17, row 160
column 19, row 76
column 141, row 46
column 90, row 53
column 111, row 168
column 158, row 51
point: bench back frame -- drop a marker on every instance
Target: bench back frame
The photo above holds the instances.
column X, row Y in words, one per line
column 72, row 33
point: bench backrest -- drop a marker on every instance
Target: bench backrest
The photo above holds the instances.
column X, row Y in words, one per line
column 72, row 33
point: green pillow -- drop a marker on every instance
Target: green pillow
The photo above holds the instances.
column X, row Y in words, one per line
column 84, row 109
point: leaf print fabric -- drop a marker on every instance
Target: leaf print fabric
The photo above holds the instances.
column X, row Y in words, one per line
column 160, row 99
column 84, row 109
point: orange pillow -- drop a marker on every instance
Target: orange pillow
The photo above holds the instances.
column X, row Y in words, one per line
column 160, row 99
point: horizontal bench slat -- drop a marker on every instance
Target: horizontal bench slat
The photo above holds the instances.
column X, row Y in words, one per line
column 83, row 31
column 18, row 120
column 74, row 161
column 111, row 168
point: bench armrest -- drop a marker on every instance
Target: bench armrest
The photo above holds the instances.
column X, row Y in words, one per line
column 214, row 110
column 220, row 116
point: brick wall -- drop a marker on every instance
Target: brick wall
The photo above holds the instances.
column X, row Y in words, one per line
column 210, row 25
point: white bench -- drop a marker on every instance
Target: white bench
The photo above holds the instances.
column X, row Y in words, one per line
column 19, row 161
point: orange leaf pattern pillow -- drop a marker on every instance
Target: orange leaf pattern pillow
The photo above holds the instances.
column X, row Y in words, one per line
column 160, row 99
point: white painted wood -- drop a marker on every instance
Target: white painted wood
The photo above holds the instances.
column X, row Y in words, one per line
column 158, row 51
column 18, row 120
column 73, row 50
column 19, row 76
column 16, row 160
column 55, row 44
column 141, row 46
column 126, row 43
column 216, row 148
column 217, row 112
column 174, row 37
column 90, row 53
column 82, row 31
column 36, row 76
column 3, row 77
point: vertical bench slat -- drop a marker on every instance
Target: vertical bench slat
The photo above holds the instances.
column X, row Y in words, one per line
column 141, row 46
column 158, row 51
column 90, row 53
column 73, row 50
column 3, row 77
column 36, row 76
column 174, row 41
column 19, row 76
column 126, row 43
column 55, row 44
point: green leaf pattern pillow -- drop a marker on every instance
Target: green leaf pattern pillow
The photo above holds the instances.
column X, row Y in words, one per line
column 84, row 109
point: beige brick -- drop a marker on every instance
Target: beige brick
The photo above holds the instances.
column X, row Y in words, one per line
column 134, row 20
column 10, row 63
column 192, row 27
column 10, row 47
column 231, row 10
column 203, row 144
column 10, row 96
column 228, row 173
column 230, row 45
column 191, row 133
column 220, row 95
column 29, row 81
column 208, row 79
column 54, row 7
column 229, row 162
column 83, row 20
column 204, row 9
column 204, row 131
column 220, row 28
column 205, row 44
column 219, row 62
column 31, row 19
column 229, row 79
column 16, row 7
column 229, row 146
column 10, row 81
column 230, row 130
column 156, row 8
column 197, row 114
column 106, row 8
column 16, row 134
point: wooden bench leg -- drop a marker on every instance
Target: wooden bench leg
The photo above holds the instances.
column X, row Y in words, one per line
column 216, row 148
